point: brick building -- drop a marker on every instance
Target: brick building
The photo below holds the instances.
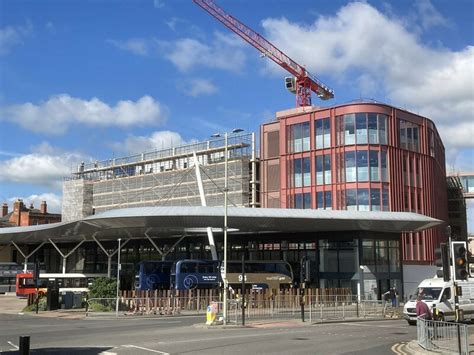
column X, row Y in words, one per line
column 27, row 216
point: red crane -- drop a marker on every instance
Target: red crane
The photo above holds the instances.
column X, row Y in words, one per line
column 302, row 82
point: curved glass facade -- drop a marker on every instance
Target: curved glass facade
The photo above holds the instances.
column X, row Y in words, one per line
column 362, row 128
column 365, row 165
column 367, row 199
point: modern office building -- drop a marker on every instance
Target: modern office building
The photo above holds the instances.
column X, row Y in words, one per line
column 457, row 208
column 364, row 156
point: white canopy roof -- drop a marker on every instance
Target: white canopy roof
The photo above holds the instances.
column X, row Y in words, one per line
column 179, row 220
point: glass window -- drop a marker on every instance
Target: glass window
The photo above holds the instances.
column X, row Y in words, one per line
column 299, row 137
column 383, row 166
column 319, row 170
column 361, row 127
column 323, row 133
column 320, row 200
column 327, row 200
column 298, row 176
column 382, row 129
column 298, row 201
column 375, row 199
column 307, row 172
column 363, row 199
column 409, row 136
column 374, row 165
column 349, row 129
column 416, row 143
column 362, row 166
column 302, row 200
column 350, row 163
column 327, row 169
column 385, row 205
column 372, row 124
column 327, row 132
column 307, row 200
column 351, row 199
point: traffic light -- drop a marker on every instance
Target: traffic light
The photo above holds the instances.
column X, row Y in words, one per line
column 442, row 260
column 459, row 256
column 305, row 275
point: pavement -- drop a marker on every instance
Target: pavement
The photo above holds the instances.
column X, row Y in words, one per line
column 10, row 304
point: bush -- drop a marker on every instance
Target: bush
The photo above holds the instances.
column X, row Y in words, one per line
column 99, row 307
column 103, row 287
column 42, row 306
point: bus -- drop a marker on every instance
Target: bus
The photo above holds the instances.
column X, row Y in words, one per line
column 8, row 272
column 153, row 275
column 260, row 274
column 190, row 274
column 25, row 284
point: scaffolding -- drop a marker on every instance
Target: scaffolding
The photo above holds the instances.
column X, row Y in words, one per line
column 164, row 178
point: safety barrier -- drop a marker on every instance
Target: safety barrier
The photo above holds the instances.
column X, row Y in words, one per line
column 442, row 336
column 147, row 305
column 316, row 310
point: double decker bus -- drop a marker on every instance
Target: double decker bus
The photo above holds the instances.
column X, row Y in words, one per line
column 153, row 275
column 8, row 272
column 25, row 284
column 190, row 274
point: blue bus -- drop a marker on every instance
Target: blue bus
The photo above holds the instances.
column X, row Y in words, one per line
column 153, row 275
column 190, row 274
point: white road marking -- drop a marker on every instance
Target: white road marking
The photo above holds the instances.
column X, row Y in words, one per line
column 107, row 353
column 11, row 344
column 146, row 349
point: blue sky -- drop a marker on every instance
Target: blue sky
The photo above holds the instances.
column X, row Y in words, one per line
column 87, row 80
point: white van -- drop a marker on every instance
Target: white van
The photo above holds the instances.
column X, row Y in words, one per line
column 441, row 294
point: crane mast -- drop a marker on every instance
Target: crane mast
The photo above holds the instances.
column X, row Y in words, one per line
column 304, row 82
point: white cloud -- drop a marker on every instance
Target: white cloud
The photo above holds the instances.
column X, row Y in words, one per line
column 387, row 59
column 44, row 166
column 156, row 141
column 58, row 112
column 11, row 36
column 196, row 87
column 224, row 52
column 429, row 16
column 53, row 201
column 158, row 4
column 135, row 45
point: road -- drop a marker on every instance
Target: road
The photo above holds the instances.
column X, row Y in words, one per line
column 187, row 335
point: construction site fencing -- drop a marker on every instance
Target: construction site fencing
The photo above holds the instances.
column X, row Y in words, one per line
column 442, row 336
column 316, row 309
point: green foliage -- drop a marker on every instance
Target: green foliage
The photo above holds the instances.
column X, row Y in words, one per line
column 42, row 305
column 100, row 307
column 103, row 287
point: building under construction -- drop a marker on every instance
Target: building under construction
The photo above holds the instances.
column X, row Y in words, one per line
column 186, row 175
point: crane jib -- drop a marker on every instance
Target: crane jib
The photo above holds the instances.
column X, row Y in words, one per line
column 269, row 50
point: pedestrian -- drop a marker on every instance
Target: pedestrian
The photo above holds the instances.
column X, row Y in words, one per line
column 422, row 309
column 393, row 296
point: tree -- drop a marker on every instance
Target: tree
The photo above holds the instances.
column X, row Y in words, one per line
column 103, row 287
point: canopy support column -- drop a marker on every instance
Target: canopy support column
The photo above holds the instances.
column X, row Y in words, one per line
column 161, row 252
column 109, row 255
column 65, row 256
column 210, row 235
column 26, row 257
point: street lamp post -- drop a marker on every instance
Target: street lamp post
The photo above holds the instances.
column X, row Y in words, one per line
column 118, row 279
column 226, row 190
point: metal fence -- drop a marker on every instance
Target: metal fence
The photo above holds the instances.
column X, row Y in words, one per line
column 442, row 336
column 147, row 305
column 316, row 310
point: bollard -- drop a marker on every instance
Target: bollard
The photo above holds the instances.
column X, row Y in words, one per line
column 24, row 345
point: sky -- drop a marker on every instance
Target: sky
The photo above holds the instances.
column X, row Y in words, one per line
column 90, row 80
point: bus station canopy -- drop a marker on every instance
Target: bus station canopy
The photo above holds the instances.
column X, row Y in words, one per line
column 184, row 220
